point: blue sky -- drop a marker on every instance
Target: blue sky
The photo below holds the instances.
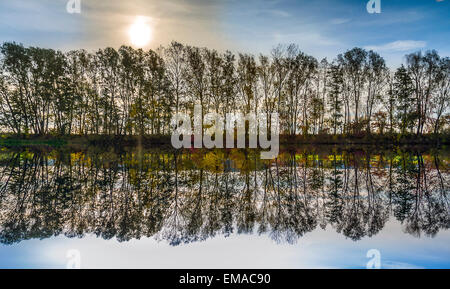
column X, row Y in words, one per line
column 328, row 27
column 321, row 28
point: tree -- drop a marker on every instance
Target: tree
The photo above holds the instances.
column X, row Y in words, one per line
column 354, row 65
column 299, row 83
column 195, row 76
column 214, row 78
column 441, row 98
column 228, row 82
column 266, row 81
column 403, row 91
column 175, row 64
column 108, row 64
column 424, row 71
column 335, row 84
column 246, row 73
column 377, row 74
column 10, row 110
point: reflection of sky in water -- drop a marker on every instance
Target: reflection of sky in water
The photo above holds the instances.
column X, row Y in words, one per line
column 157, row 196
column 320, row 248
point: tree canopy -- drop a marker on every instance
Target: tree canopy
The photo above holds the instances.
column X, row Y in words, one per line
column 135, row 92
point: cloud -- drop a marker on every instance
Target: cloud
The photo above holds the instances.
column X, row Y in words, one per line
column 398, row 46
column 399, row 265
column 337, row 21
column 193, row 22
column 308, row 39
column 276, row 12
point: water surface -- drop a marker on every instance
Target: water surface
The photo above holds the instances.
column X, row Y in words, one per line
column 311, row 207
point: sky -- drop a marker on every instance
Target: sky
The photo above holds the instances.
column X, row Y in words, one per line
column 322, row 28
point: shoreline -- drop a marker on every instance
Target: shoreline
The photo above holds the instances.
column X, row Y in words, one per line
column 164, row 141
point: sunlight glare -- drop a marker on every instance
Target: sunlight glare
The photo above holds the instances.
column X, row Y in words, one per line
column 140, row 32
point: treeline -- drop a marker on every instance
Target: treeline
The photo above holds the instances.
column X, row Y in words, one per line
column 136, row 92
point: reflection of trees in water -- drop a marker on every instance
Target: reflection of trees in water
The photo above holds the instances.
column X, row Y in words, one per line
column 194, row 196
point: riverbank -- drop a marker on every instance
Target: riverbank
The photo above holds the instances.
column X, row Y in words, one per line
column 10, row 140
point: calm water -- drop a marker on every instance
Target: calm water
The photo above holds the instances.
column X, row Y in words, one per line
column 313, row 207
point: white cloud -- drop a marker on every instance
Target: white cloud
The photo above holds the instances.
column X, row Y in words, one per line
column 399, row 265
column 337, row 21
column 317, row 249
column 305, row 39
column 398, row 46
column 277, row 12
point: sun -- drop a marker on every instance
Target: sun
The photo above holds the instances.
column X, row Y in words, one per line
column 140, row 32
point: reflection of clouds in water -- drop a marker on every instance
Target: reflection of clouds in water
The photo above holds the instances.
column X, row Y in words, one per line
column 318, row 249
column 206, row 195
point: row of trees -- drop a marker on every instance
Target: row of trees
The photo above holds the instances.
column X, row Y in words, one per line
column 136, row 92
